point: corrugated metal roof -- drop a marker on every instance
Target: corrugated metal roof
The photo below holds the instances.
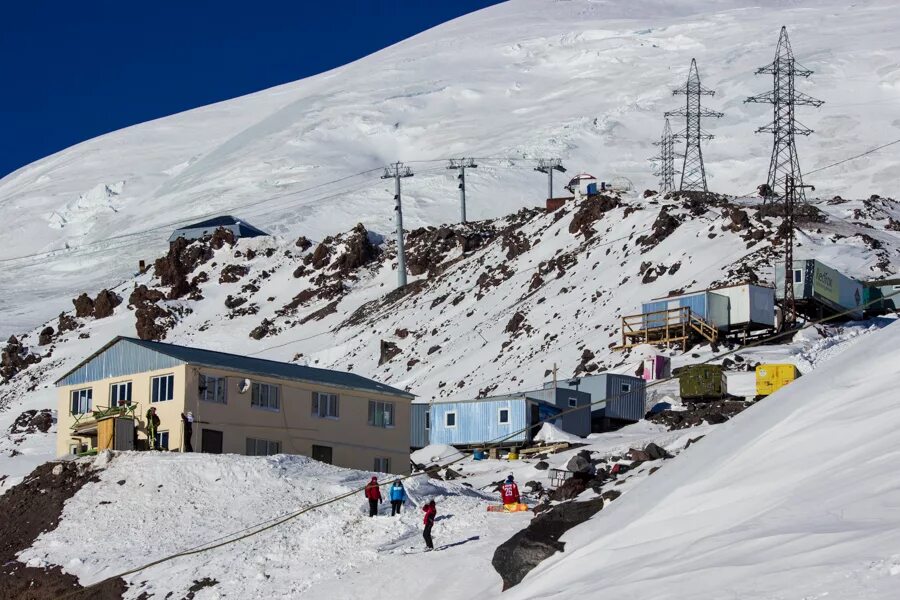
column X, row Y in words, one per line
column 246, row 229
column 250, row 365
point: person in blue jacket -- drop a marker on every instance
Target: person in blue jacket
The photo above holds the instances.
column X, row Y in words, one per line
column 398, row 497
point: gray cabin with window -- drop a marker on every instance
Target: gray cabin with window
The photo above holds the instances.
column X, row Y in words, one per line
column 196, row 231
column 616, row 400
column 419, row 423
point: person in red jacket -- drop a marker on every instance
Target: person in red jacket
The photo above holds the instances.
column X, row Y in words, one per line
column 430, row 512
column 509, row 491
column 373, row 494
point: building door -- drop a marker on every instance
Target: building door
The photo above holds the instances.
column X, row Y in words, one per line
column 211, row 441
column 123, row 439
column 535, row 418
column 322, row 454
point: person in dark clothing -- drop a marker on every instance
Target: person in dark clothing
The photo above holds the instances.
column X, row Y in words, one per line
column 430, row 512
column 188, row 421
column 397, row 496
column 373, row 494
column 152, row 426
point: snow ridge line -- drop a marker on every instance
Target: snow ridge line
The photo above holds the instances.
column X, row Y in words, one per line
column 271, row 524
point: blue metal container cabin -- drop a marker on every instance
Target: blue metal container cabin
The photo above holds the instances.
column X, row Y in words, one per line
column 506, row 420
column 815, row 282
column 625, row 398
column 706, row 304
column 419, row 424
column 576, row 422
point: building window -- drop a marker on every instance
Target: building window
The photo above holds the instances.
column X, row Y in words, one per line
column 162, row 388
column 450, row 419
column 573, row 402
column 257, row 447
column 265, row 395
column 427, row 420
column 382, row 465
column 162, row 440
column 626, row 387
column 798, row 276
column 381, row 414
column 325, row 405
column 120, row 393
column 212, row 389
column 503, row 417
column 81, row 401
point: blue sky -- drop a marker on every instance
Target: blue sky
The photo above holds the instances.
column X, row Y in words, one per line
column 75, row 70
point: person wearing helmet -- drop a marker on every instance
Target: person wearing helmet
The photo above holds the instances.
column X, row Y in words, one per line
column 509, row 491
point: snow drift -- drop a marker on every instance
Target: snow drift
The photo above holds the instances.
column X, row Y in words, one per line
column 797, row 497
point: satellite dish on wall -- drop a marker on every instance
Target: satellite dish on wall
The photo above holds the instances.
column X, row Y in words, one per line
column 243, row 386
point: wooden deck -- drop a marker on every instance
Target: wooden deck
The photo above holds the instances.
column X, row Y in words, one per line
column 678, row 327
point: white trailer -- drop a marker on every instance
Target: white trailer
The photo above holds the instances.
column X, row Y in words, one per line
column 749, row 306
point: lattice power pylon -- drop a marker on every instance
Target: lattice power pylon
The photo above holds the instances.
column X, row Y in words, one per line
column 784, row 126
column 665, row 160
column 693, row 175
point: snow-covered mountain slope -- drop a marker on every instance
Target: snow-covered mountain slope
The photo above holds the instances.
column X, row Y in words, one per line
column 491, row 306
column 797, row 497
column 584, row 80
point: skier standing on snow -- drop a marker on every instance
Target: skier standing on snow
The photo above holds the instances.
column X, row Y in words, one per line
column 430, row 512
column 509, row 491
column 152, row 425
column 373, row 494
column 397, row 496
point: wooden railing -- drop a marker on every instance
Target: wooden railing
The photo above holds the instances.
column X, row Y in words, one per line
column 669, row 326
column 104, row 411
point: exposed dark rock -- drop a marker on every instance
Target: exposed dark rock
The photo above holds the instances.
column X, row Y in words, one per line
column 360, row 251
column 610, row 495
column 152, row 321
column 318, row 315
column 46, row 336
column 84, row 306
column 34, row 507
column 663, row 227
column 319, row 258
column 220, row 237
column 105, row 304
column 32, row 421
column 542, row 465
column 143, row 295
column 589, row 211
column 515, row 323
column 433, row 349
column 233, row 273
column 303, row 243
column 388, row 351
column 181, row 260
column 15, row 358
column 266, row 328
column 526, row 549
column 233, row 302
column 66, row 323
column 571, row 487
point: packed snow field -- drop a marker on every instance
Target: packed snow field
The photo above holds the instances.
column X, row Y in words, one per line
column 583, row 80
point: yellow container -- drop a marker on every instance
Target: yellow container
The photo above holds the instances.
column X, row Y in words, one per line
column 772, row 377
column 513, row 456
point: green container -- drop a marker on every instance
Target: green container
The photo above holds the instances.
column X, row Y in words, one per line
column 702, row 382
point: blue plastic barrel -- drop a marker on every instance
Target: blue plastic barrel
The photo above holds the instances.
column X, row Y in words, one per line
column 478, row 455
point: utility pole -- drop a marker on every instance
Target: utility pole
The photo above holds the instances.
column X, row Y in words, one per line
column 548, row 165
column 789, row 304
column 693, row 174
column 784, row 127
column 461, row 164
column 397, row 172
column 665, row 160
